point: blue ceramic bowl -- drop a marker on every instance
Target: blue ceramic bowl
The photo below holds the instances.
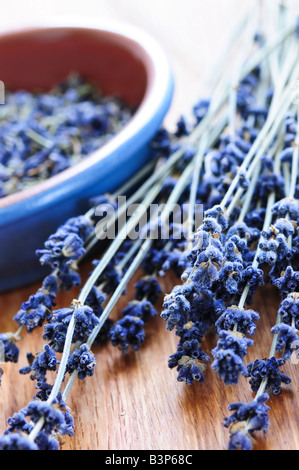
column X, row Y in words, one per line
column 123, row 61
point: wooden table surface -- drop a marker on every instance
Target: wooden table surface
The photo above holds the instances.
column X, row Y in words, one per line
column 135, row 401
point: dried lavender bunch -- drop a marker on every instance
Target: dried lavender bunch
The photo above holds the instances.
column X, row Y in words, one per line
column 42, row 134
column 79, row 325
column 218, row 263
column 278, row 250
column 221, row 260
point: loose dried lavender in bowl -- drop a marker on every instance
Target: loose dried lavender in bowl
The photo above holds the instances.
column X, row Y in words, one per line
column 44, row 133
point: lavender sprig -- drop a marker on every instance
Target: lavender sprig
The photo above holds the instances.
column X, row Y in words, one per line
column 266, row 375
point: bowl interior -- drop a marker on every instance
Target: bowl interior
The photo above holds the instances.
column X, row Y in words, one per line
column 38, row 59
column 123, row 63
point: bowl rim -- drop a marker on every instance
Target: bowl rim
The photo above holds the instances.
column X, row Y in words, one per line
column 159, row 77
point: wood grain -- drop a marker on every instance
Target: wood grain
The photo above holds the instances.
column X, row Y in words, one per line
column 135, row 401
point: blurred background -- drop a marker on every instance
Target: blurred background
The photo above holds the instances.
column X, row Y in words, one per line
column 191, row 32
